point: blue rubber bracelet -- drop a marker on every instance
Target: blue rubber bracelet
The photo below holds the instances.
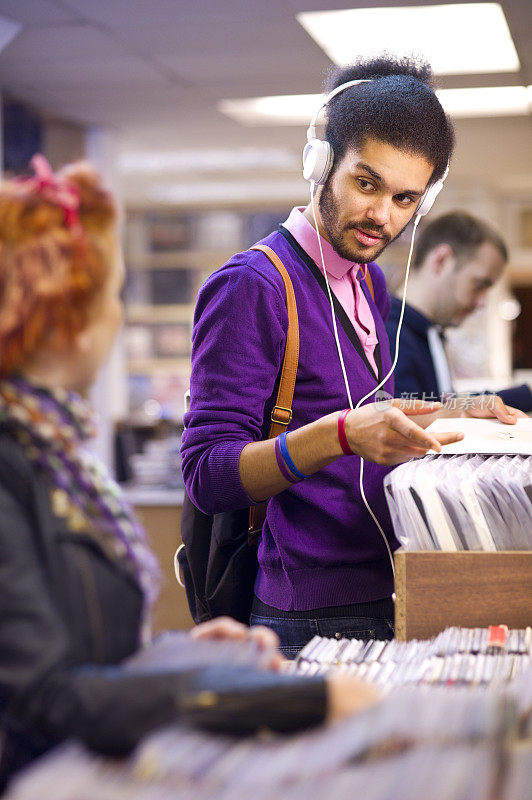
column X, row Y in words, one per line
column 288, row 461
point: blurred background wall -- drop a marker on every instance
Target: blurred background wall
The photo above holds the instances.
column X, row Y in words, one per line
column 197, row 112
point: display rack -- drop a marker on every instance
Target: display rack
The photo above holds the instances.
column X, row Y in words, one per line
column 169, row 254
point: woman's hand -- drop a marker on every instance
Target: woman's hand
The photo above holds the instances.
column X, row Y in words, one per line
column 227, row 628
column 385, row 434
column 346, row 695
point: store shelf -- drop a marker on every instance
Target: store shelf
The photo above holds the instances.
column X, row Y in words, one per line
column 151, row 314
column 169, row 253
column 138, row 495
column 141, row 420
column 520, row 267
column 193, row 259
column 150, row 366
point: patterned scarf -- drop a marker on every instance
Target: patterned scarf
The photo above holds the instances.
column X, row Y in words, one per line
column 53, row 427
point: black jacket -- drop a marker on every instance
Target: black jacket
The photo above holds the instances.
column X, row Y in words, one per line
column 69, row 615
column 414, row 374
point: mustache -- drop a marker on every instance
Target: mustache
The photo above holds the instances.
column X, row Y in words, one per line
column 371, row 229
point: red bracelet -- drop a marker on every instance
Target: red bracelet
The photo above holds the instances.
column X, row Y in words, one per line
column 342, row 438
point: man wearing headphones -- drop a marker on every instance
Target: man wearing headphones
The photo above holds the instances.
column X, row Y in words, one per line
column 324, row 563
column 457, row 259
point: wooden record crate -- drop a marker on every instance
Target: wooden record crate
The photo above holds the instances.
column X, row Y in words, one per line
column 436, row 590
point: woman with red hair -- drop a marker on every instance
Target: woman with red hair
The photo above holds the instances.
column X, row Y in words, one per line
column 77, row 577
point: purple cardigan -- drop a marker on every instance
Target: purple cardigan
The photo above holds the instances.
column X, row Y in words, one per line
column 319, row 546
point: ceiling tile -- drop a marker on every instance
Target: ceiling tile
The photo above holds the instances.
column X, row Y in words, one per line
column 127, row 72
column 37, row 12
column 171, row 13
column 155, row 69
column 62, row 44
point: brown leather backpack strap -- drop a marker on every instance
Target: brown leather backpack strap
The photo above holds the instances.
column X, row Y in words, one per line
column 367, row 278
column 282, row 411
column 257, row 517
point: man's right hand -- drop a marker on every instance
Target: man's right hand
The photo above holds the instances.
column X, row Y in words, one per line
column 384, row 433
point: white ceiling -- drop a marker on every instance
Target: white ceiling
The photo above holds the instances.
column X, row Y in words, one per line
column 154, row 70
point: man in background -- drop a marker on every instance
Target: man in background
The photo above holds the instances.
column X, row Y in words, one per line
column 457, row 260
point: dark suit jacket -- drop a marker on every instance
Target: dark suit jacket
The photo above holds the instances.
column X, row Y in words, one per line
column 415, row 374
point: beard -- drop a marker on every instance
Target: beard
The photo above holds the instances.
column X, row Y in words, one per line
column 337, row 235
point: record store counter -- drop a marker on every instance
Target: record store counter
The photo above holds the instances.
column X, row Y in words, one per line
column 139, row 495
column 159, row 510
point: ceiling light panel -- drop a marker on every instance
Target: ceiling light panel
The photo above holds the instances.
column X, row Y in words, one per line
column 284, row 109
column 490, row 101
column 455, row 39
column 208, row 192
column 217, row 160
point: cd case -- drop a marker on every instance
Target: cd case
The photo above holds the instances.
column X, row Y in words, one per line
column 486, row 436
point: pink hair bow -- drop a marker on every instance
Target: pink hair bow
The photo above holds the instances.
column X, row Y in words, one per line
column 56, row 190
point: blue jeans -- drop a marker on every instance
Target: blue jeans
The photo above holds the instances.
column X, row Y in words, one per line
column 294, row 633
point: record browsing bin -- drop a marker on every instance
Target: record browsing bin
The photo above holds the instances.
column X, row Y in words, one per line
column 471, row 589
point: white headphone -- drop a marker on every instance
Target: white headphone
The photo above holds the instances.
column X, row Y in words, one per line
column 318, row 156
column 317, row 162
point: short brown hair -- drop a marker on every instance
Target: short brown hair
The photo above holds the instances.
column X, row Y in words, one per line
column 50, row 272
column 463, row 233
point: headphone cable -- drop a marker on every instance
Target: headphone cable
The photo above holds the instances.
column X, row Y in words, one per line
column 340, row 354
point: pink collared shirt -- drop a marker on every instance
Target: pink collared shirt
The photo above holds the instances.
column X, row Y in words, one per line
column 342, row 275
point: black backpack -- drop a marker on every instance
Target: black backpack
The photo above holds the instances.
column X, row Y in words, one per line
column 218, row 557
